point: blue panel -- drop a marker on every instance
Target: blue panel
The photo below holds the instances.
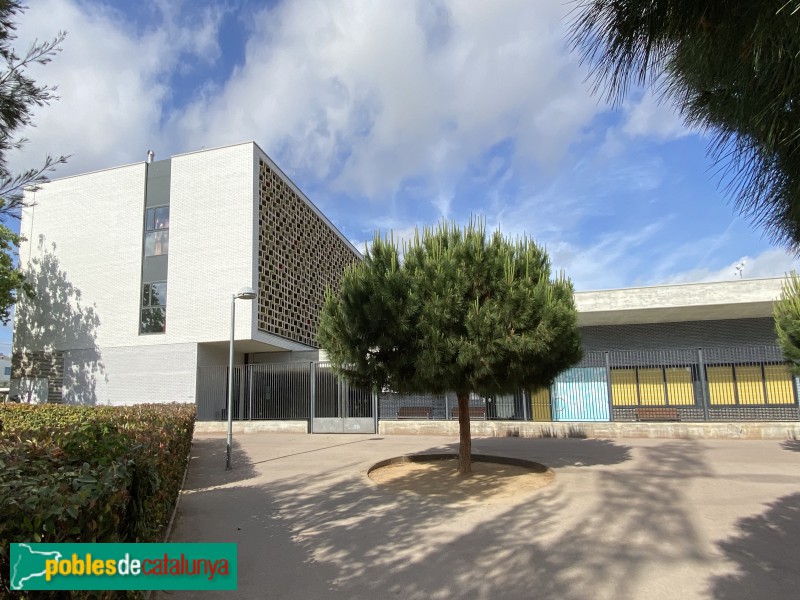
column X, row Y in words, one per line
column 581, row 394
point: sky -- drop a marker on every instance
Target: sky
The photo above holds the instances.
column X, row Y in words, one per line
column 397, row 114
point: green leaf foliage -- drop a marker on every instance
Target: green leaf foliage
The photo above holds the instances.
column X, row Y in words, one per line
column 460, row 311
column 787, row 320
column 89, row 474
column 12, row 280
column 730, row 68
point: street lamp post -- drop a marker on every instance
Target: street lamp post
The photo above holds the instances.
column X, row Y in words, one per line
column 246, row 293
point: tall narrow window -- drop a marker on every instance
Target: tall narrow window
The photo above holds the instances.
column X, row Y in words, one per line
column 154, row 308
column 156, row 241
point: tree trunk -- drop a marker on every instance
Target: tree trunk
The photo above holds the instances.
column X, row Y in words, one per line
column 465, row 440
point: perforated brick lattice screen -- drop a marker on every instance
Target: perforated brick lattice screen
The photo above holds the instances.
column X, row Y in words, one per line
column 299, row 255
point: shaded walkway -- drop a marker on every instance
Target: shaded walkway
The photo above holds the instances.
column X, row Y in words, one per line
column 639, row 519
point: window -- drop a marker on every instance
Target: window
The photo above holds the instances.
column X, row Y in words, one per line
column 7, row 371
column 154, row 308
column 652, row 386
column 156, row 237
column 750, row 384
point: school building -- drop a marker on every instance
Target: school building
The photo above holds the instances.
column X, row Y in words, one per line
column 135, row 269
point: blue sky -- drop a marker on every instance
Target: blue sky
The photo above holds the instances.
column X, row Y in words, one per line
column 391, row 115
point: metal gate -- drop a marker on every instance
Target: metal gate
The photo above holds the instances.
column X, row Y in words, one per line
column 337, row 406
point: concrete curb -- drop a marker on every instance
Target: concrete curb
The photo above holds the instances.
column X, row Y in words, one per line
column 487, row 458
column 748, row 430
column 168, row 532
column 775, row 430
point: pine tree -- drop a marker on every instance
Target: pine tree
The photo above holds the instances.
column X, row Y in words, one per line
column 730, row 69
column 787, row 320
column 459, row 312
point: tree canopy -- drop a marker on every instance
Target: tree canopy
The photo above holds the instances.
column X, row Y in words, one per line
column 459, row 311
column 787, row 320
column 12, row 280
column 730, row 68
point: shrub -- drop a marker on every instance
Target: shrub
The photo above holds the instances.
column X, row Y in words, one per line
column 89, row 474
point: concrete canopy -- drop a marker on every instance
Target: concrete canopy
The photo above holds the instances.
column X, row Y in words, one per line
column 737, row 299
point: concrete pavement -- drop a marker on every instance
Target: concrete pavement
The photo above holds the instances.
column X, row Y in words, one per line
column 633, row 518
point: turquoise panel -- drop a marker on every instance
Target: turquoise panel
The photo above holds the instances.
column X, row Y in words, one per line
column 581, row 394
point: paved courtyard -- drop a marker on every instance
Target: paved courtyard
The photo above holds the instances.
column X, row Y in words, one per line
column 630, row 518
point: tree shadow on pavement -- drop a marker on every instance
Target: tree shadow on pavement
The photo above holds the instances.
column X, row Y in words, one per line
column 556, row 452
column 766, row 552
column 207, row 465
column 617, row 528
column 331, row 534
column 793, row 445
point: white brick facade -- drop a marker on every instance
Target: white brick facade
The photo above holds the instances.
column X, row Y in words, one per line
column 129, row 374
column 87, row 233
column 84, row 250
column 211, row 244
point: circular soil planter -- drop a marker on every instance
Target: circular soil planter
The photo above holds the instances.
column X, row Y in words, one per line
column 493, row 477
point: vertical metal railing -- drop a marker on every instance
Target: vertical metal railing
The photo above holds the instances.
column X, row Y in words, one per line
column 312, row 370
column 703, row 383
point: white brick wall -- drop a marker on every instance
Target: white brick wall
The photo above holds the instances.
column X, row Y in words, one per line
column 211, row 244
column 127, row 375
column 93, row 224
column 88, row 229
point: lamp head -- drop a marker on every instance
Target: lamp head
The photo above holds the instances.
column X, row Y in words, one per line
column 246, row 293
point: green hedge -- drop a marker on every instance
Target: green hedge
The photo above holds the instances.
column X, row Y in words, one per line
column 89, row 474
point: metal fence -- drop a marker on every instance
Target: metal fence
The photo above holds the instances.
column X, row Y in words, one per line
column 750, row 383
column 334, row 397
column 392, row 405
column 260, row 391
column 280, row 391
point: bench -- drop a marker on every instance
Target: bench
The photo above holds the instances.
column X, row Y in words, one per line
column 475, row 412
column 415, row 412
column 657, row 413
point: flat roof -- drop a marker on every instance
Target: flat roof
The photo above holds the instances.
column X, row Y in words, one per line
column 735, row 299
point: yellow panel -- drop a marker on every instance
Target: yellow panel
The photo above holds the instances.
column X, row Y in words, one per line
column 779, row 384
column 623, row 387
column 679, row 385
column 651, row 386
column 540, row 405
column 720, row 385
column 750, row 384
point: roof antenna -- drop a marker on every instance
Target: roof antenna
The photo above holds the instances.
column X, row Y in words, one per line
column 740, row 270
column 150, row 156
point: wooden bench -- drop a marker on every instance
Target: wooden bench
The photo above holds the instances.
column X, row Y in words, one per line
column 475, row 412
column 415, row 412
column 657, row 413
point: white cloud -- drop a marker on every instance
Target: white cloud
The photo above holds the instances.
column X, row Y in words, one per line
column 368, row 94
column 113, row 81
column 653, row 118
column 644, row 116
column 400, row 235
column 770, row 263
column 357, row 96
column 606, row 263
